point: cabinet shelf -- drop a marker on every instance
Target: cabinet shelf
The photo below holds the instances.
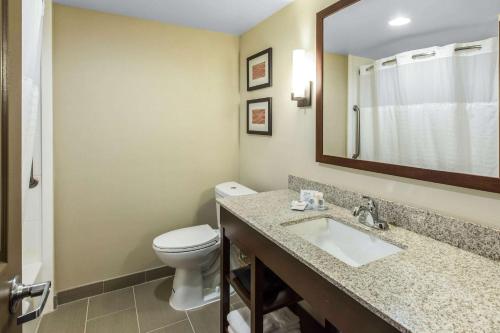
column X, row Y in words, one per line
column 285, row 297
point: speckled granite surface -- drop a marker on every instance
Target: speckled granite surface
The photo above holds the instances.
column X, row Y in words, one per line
column 465, row 235
column 429, row 287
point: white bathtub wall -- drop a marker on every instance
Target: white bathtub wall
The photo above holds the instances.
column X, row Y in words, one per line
column 32, row 219
column 32, row 230
column 38, row 218
column 47, row 165
column 31, row 140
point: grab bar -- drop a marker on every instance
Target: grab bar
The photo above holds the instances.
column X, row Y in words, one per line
column 357, row 150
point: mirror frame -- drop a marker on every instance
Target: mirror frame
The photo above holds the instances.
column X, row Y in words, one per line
column 4, row 131
column 490, row 184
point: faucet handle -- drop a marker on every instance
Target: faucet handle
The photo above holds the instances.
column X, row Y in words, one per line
column 371, row 204
column 370, row 199
column 367, row 198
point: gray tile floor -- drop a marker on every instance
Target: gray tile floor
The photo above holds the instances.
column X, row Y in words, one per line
column 142, row 308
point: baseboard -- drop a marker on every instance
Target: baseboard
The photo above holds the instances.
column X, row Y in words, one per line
column 100, row 287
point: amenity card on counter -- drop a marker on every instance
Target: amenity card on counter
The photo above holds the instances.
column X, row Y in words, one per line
column 314, row 199
column 299, row 205
column 307, row 195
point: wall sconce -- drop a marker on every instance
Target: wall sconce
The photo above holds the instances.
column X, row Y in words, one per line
column 301, row 85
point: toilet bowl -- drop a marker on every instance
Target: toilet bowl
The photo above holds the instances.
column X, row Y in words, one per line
column 193, row 252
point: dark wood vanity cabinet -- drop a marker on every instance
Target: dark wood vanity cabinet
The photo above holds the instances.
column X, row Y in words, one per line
column 338, row 308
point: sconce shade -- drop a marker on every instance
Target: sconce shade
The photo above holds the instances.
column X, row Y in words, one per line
column 299, row 79
column 301, row 85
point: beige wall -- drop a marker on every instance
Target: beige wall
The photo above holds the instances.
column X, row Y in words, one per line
column 335, row 104
column 145, row 124
column 265, row 162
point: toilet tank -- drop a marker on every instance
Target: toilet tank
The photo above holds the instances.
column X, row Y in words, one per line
column 230, row 189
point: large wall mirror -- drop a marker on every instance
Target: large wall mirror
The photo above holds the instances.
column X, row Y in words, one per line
column 410, row 88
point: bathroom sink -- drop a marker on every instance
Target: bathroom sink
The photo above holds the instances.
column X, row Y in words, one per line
column 352, row 246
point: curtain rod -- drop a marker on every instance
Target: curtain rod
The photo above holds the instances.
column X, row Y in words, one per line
column 428, row 54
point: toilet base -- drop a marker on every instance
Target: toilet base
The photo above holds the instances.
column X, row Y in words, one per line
column 191, row 289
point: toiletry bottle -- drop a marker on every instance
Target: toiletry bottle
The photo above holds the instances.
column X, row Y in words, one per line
column 320, row 201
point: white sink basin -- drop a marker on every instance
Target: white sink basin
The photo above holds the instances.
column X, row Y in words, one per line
column 352, row 246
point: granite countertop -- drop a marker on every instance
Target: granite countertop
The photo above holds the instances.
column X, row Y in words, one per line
column 429, row 287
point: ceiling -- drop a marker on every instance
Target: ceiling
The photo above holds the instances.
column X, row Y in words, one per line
column 229, row 16
column 362, row 29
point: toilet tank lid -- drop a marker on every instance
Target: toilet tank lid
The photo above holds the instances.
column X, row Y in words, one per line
column 230, row 189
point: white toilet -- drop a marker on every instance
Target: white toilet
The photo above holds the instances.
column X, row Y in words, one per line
column 193, row 252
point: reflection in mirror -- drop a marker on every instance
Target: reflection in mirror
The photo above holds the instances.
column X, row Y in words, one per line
column 414, row 83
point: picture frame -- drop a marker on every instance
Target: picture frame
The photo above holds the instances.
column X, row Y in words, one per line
column 260, row 70
column 260, row 116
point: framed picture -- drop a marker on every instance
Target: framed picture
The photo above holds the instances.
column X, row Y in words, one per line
column 259, row 116
column 260, row 70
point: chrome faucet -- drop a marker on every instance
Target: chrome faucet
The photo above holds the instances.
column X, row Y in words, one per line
column 371, row 210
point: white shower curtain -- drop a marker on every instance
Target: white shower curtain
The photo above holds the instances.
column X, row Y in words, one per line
column 436, row 112
column 32, row 43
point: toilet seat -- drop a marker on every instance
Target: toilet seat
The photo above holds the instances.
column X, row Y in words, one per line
column 186, row 239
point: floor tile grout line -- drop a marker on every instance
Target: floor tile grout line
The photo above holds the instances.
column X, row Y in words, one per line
column 166, row 326
column 86, row 315
column 136, row 310
column 110, row 314
column 190, row 323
